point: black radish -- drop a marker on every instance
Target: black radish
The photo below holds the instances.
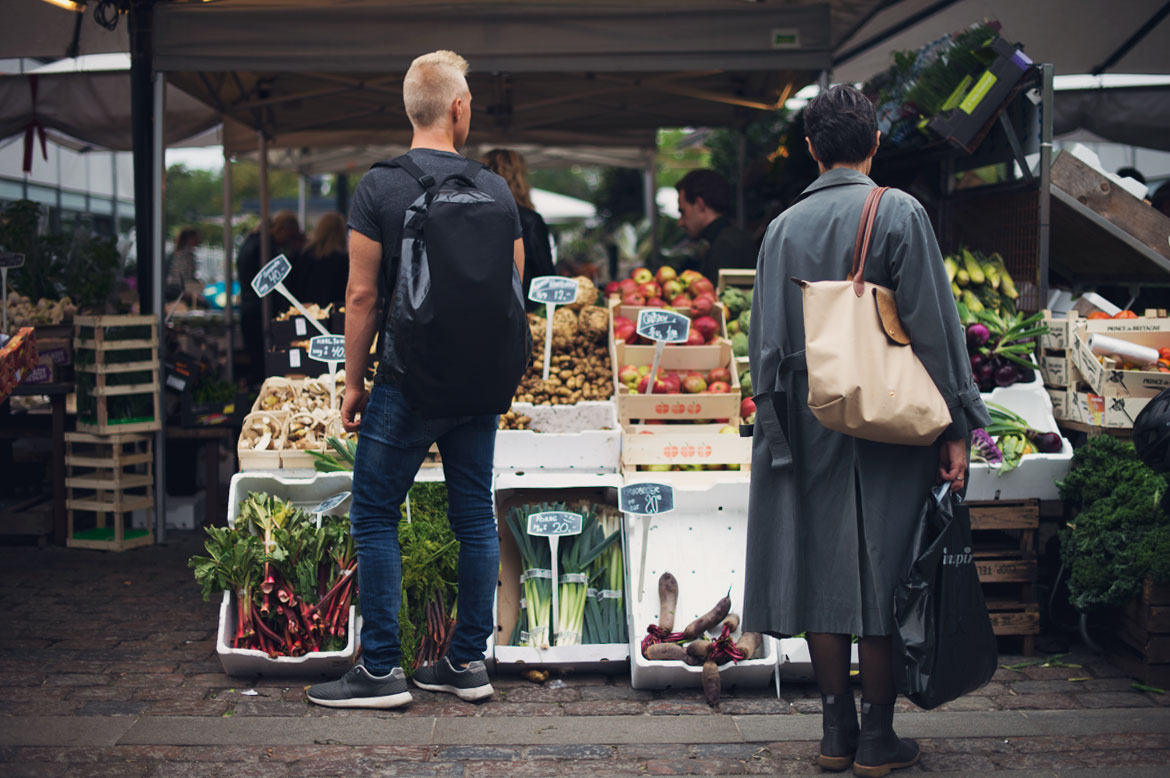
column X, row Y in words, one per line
column 712, row 685
column 666, row 651
column 708, row 619
column 749, row 643
column 668, row 601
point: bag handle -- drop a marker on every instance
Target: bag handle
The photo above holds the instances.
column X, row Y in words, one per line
column 864, row 235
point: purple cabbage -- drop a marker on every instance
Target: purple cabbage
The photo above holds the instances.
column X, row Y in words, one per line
column 983, row 448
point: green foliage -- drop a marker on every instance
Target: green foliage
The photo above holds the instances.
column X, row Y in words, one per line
column 1122, row 533
column 82, row 265
column 619, row 197
column 677, row 156
column 430, row 562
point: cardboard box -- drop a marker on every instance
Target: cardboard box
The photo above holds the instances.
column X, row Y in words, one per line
column 1061, row 329
column 1110, row 412
column 1108, row 380
column 1060, row 401
column 979, row 99
column 290, row 362
column 297, row 328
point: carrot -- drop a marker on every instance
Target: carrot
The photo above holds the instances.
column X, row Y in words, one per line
column 708, row 619
column 712, row 684
column 749, row 643
column 666, row 651
column 668, row 601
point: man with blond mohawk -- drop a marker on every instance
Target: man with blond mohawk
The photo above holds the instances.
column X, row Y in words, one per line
column 395, row 430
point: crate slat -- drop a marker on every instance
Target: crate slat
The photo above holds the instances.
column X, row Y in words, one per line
column 1021, row 514
column 115, row 480
column 122, row 503
column 1007, row 570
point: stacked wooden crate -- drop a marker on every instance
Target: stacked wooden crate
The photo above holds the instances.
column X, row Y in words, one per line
column 117, row 366
column 1004, row 534
column 108, row 477
column 1144, row 626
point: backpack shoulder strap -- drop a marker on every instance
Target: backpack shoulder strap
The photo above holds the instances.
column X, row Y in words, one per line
column 471, row 170
column 425, row 180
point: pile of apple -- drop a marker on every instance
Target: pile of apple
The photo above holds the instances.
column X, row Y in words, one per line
column 690, row 293
column 636, row 378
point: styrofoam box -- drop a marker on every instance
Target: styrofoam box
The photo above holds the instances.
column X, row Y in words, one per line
column 304, row 490
column 1036, row 475
column 518, row 488
column 250, row 662
column 703, row 543
column 796, row 664
column 585, row 436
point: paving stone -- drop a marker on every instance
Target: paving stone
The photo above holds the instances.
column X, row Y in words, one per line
column 360, row 768
column 604, row 708
column 760, row 706
column 1004, row 675
column 62, row 770
column 678, row 708
column 77, row 679
column 541, row 769
column 1063, row 686
column 1107, row 685
column 621, row 691
column 742, row 751
column 570, row 752
column 36, row 707
column 1114, row 700
column 695, row 767
column 968, row 704
column 217, row 769
column 534, row 693
column 654, row 751
column 807, row 706
column 1102, row 669
column 110, row 692
column 254, row 706
column 465, row 753
column 112, row 708
column 934, row 762
column 1052, row 673
column 188, row 708
column 271, row 754
column 1037, row 701
column 520, row 709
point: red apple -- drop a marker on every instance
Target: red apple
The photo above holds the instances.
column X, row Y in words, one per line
column 706, row 325
column 694, row 383
column 747, row 408
column 673, row 383
column 628, row 375
column 680, row 301
column 624, row 329
column 688, row 277
column 627, row 286
column 659, row 385
column 665, row 273
column 702, row 306
column 642, row 275
column 695, row 338
column 656, row 302
column 719, row 387
column 634, row 299
column 650, row 289
column 672, row 288
column 700, row 285
column 713, row 340
column 612, row 288
column 719, row 374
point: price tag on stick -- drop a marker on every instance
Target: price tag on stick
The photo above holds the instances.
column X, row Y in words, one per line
column 329, row 503
column 552, row 291
column 330, row 349
column 662, row 327
column 8, row 259
column 271, row 278
column 645, row 500
column 553, row 525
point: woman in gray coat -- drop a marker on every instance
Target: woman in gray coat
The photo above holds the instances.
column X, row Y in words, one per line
column 832, row 517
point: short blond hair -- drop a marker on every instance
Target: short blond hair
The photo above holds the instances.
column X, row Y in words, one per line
column 432, row 83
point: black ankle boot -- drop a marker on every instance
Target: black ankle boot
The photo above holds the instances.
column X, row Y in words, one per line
column 879, row 750
column 839, row 719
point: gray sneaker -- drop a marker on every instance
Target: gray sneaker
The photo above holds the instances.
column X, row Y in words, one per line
column 359, row 689
column 469, row 683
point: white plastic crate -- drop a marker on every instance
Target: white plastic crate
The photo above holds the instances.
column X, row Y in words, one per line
column 305, row 489
column 703, row 543
column 249, row 662
column 519, row 488
column 582, row 437
column 1036, row 475
column 795, row 662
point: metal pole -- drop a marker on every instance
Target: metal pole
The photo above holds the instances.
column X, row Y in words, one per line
column 227, row 264
column 265, row 234
column 155, row 259
column 141, row 21
column 302, row 200
column 651, row 199
column 1045, row 194
column 740, row 164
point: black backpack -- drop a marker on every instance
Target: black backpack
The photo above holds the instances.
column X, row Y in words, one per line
column 460, row 340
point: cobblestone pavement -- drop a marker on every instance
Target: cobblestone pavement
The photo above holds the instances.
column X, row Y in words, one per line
column 95, row 639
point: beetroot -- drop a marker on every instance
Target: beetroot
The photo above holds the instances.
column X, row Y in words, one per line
column 986, row 372
column 1048, row 443
column 977, row 335
column 978, row 361
column 1005, row 376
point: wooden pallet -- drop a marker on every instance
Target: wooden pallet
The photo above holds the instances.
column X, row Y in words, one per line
column 1004, row 536
column 108, row 477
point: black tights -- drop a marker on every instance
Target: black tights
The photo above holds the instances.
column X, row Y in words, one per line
column 830, row 661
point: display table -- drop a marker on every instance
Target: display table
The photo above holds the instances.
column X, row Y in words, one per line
column 209, row 439
column 56, row 393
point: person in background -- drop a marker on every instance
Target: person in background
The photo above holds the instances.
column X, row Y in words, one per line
column 181, row 263
column 321, row 271
column 704, row 200
column 538, row 259
column 831, row 530
column 1132, row 172
column 285, row 238
column 1160, row 199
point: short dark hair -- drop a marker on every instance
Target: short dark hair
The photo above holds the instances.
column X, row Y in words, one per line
column 709, row 185
column 841, row 124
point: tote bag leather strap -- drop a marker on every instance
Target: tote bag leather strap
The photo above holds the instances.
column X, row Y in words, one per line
column 864, row 235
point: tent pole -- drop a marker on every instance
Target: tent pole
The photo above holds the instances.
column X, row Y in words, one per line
column 160, row 437
column 141, row 22
column 651, row 199
column 1045, row 205
column 302, row 197
column 265, row 237
column 740, row 164
column 227, row 264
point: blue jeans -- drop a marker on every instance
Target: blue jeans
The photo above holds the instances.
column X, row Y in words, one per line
column 391, row 447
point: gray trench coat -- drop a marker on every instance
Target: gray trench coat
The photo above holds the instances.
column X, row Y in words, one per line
column 831, row 517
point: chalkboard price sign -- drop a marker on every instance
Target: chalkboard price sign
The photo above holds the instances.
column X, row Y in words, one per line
column 557, row 290
column 327, row 348
column 646, row 499
column 330, row 503
column 271, row 275
column 555, row 524
column 11, row 259
column 663, row 326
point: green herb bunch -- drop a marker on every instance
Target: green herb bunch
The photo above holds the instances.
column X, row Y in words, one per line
column 430, row 572
column 1122, row 533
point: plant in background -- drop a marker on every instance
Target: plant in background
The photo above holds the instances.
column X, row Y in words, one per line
column 1122, row 532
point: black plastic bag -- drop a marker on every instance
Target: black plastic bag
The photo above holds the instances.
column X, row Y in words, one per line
column 944, row 646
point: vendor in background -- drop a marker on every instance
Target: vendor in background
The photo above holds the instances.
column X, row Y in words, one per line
column 538, row 259
column 181, row 263
column 321, row 272
column 286, row 238
column 704, row 200
column 1160, row 199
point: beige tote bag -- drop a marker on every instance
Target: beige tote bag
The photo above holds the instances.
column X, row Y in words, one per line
column 863, row 377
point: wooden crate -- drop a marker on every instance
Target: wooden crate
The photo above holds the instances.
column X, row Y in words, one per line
column 1010, row 617
column 1144, row 624
column 1004, row 537
column 108, row 477
column 98, row 353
